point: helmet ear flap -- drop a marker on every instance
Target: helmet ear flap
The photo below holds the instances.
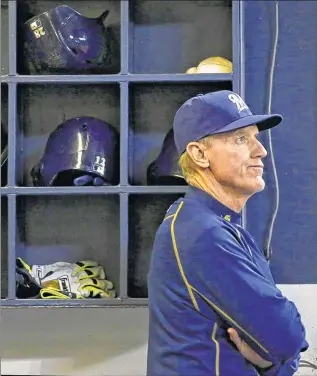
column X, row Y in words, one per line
column 36, row 174
column 164, row 170
column 101, row 19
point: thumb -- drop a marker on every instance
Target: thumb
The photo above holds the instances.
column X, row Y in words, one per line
column 234, row 336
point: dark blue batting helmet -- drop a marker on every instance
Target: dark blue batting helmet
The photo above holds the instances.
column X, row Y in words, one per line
column 63, row 39
column 79, row 147
column 164, row 170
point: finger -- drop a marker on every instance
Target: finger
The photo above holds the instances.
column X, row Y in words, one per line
column 91, row 272
column 83, row 264
column 94, row 292
column 101, row 273
column 108, row 285
column 105, row 284
column 94, row 272
column 102, row 284
column 232, row 332
column 82, row 180
column 234, row 336
column 108, row 294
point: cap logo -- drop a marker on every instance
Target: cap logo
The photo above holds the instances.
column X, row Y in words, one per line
column 238, row 101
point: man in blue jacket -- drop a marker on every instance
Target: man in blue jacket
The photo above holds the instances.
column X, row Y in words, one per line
column 214, row 307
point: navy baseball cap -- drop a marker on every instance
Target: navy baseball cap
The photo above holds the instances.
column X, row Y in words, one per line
column 213, row 113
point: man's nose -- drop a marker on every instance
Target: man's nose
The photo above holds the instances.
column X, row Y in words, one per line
column 259, row 150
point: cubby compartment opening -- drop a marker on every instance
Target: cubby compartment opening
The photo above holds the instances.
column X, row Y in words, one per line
column 146, row 213
column 4, row 135
column 96, row 147
column 4, row 25
column 76, row 44
column 173, row 36
column 152, row 152
column 70, row 229
column 4, row 247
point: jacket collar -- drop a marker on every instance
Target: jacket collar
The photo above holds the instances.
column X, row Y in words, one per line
column 217, row 207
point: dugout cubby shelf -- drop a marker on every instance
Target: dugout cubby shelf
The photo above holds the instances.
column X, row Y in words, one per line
column 157, row 41
column 93, row 8
column 145, row 214
column 4, row 135
column 38, row 118
column 44, row 238
column 152, row 107
column 156, row 25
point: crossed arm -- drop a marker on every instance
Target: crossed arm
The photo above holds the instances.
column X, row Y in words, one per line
column 267, row 322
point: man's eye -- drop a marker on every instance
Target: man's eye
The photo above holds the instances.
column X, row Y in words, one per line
column 241, row 139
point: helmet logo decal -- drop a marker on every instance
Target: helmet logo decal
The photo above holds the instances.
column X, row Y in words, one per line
column 37, row 28
column 99, row 164
column 238, row 101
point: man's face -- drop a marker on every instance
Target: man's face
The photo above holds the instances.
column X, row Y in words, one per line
column 236, row 160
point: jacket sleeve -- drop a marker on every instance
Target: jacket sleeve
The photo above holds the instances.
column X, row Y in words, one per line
column 225, row 276
column 288, row 368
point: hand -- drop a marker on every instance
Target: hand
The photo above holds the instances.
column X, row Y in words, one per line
column 89, row 180
column 246, row 351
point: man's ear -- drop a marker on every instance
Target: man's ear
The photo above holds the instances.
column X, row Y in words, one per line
column 198, row 154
